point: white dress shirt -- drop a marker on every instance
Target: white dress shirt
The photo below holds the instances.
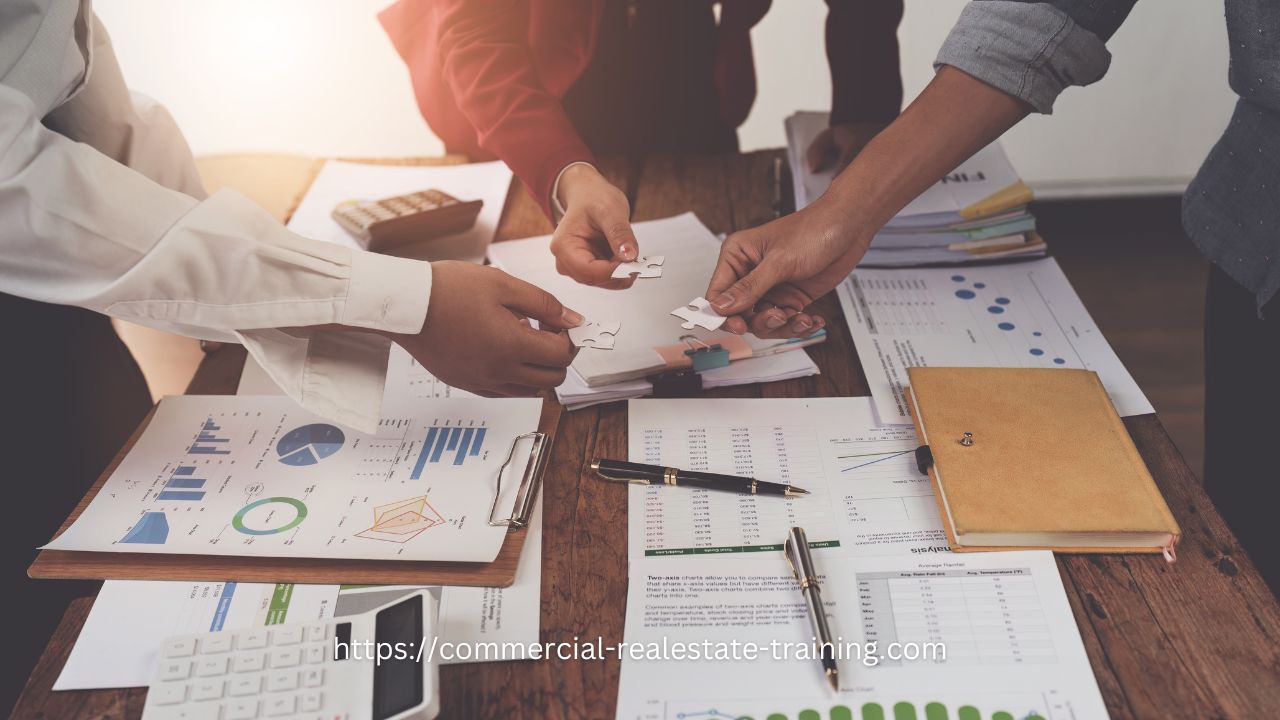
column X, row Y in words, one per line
column 101, row 207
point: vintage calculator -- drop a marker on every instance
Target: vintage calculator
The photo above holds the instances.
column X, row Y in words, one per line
column 318, row 671
column 386, row 224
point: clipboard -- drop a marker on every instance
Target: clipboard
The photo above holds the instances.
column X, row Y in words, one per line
column 83, row 565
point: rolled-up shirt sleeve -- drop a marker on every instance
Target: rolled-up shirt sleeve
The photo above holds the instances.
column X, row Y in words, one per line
column 1034, row 50
column 82, row 229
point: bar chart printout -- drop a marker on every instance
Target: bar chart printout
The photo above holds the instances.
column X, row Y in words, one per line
column 449, row 444
column 208, row 442
column 260, row 476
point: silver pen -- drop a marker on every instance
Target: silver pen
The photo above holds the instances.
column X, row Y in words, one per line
column 796, row 550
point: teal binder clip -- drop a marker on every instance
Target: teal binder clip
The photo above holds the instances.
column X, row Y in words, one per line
column 706, row 357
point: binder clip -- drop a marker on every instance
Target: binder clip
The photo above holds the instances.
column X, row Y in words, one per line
column 706, row 357
column 676, row 383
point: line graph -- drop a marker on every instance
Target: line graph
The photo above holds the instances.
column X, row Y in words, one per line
column 888, row 455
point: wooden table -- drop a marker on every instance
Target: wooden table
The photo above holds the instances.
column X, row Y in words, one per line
column 1199, row 639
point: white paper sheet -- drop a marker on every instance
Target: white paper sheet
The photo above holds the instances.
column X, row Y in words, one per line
column 131, row 618
column 1018, row 315
column 341, row 181
column 258, row 476
column 471, row 615
column 644, row 309
column 706, row 571
column 1010, row 639
column 867, row 496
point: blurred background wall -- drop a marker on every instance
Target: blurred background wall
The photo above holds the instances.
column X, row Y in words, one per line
column 318, row 77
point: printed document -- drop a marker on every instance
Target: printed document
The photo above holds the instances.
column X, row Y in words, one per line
column 866, row 495
column 991, row 632
column 1023, row 315
column 258, row 476
column 130, row 618
column 716, row 625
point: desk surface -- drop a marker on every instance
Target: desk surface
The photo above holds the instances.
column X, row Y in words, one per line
column 1197, row 639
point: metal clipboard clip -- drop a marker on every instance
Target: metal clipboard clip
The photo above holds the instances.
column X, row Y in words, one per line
column 527, row 493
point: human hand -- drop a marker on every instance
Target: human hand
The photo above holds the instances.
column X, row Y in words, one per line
column 477, row 334
column 767, row 276
column 594, row 236
column 836, row 146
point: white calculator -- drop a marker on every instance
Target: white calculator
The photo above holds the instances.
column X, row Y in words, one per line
column 319, row 671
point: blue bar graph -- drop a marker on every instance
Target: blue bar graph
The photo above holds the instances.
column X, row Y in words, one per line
column 189, row 495
column 180, row 482
column 441, row 440
column 462, row 450
column 208, row 435
column 462, row 442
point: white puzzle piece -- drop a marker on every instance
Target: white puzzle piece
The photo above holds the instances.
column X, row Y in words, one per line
column 595, row 334
column 645, row 267
column 698, row 313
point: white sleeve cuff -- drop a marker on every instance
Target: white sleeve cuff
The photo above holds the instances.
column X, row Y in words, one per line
column 557, row 208
column 387, row 293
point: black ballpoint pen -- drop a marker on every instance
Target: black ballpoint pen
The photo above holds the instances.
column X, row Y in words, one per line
column 796, row 550
column 642, row 474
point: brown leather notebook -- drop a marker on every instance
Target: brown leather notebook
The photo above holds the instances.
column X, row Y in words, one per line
column 1035, row 458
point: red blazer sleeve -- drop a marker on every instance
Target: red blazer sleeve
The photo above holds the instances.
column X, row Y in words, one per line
column 481, row 54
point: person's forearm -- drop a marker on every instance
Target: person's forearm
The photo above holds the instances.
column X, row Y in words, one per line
column 953, row 118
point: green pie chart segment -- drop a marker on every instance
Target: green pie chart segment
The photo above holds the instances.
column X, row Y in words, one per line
column 295, row 506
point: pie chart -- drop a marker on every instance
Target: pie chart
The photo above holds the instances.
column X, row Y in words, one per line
column 309, row 444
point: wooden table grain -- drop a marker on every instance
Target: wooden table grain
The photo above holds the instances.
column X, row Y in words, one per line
column 1197, row 639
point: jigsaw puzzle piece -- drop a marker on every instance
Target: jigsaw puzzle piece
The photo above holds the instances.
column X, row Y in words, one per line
column 645, row 267
column 698, row 313
column 595, row 334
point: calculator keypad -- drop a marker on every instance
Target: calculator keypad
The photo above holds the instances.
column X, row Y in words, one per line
column 257, row 673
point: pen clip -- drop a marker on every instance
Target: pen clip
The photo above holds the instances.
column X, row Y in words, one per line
column 786, row 553
column 787, row 550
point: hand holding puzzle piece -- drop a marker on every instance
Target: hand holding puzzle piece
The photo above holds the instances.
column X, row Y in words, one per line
column 595, row 334
column 698, row 313
column 645, row 267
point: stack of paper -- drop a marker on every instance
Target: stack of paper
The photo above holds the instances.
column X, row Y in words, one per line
column 975, row 213
column 575, row 393
column 643, row 311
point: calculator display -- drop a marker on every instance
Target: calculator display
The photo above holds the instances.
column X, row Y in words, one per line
column 397, row 682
